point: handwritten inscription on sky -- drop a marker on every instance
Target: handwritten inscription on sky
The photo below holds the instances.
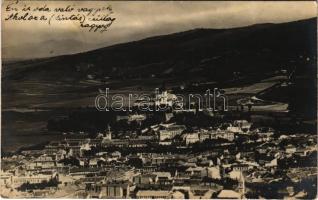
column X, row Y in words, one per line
column 92, row 19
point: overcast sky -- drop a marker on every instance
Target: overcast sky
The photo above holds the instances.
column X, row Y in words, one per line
column 137, row 20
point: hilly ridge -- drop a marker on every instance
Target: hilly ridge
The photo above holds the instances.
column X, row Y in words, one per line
column 199, row 59
column 197, row 53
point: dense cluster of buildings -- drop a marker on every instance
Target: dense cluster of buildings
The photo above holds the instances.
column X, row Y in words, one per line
column 167, row 160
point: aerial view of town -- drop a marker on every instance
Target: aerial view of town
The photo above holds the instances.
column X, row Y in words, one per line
column 202, row 113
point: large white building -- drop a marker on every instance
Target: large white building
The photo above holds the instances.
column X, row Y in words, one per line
column 191, row 138
column 35, row 178
column 170, row 132
column 165, row 98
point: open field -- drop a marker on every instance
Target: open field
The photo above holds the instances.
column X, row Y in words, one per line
column 29, row 105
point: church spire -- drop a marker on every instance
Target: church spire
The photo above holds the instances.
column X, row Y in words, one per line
column 241, row 186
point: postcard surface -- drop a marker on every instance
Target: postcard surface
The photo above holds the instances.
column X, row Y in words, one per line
column 159, row 99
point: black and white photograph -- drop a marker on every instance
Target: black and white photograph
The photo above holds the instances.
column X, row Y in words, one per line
column 158, row 99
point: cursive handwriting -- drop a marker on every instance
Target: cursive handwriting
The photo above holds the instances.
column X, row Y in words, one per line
column 93, row 19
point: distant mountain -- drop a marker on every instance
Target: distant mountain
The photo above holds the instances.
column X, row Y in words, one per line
column 210, row 54
column 219, row 57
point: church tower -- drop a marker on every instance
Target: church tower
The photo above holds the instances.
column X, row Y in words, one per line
column 241, row 186
column 108, row 134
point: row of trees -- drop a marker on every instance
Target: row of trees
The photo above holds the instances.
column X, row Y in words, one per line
column 33, row 186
